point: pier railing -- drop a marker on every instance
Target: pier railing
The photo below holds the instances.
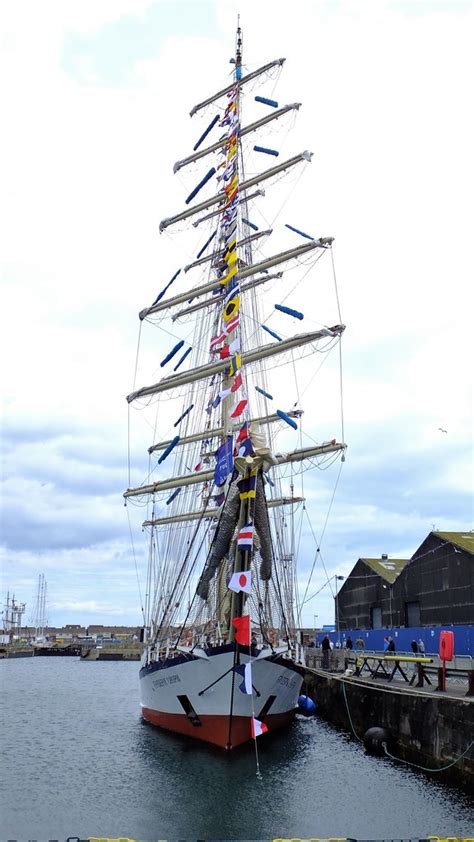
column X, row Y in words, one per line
column 428, row 670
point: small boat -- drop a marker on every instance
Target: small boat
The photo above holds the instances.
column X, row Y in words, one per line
column 223, row 662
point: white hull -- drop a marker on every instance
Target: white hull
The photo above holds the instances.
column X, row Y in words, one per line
column 200, row 696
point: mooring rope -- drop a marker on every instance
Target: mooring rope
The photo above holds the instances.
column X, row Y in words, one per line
column 349, row 713
column 400, row 759
column 424, row 768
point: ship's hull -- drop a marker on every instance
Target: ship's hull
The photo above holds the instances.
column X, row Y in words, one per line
column 200, row 696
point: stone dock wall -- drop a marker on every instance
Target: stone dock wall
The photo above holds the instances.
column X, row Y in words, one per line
column 427, row 729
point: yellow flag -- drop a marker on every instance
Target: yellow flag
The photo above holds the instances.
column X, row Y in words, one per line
column 230, row 274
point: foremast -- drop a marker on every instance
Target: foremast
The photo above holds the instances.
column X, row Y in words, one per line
column 241, row 560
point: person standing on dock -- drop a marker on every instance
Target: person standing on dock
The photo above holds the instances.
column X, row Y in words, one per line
column 421, row 647
column 414, row 647
column 348, row 648
column 391, row 645
column 325, row 646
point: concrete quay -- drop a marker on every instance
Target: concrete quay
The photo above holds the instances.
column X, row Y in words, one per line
column 429, row 728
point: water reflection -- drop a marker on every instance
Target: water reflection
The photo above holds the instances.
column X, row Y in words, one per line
column 89, row 766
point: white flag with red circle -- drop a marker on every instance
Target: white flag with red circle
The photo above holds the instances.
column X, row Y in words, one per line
column 241, row 581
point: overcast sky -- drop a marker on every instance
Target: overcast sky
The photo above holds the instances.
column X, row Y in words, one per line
column 95, row 102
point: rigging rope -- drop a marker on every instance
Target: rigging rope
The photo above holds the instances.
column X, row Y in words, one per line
column 322, row 536
column 136, row 566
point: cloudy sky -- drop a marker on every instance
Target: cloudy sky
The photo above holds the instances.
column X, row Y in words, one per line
column 95, row 101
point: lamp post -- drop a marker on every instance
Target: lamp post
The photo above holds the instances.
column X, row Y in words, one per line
column 314, row 627
column 336, row 578
column 389, row 586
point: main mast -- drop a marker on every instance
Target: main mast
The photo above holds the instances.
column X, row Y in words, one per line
column 231, row 431
column 241, row 558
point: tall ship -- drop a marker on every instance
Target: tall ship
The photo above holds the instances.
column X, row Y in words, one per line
column 229, row 460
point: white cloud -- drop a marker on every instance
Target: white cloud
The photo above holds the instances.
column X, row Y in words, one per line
column 86, row 175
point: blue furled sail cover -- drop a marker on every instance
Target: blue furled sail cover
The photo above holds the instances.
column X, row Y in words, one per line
column 297, row 231
column 182, row 358
column 186, row 412
column 289, row 311
column 263, row 392
column 168, row 450
column 205, row 134
column 266, row 101
column 266, row 150
column 272, row 333
column 161, row 294
column 201, row 184
column 173, row 496
column 287, row 418
column 172, row 353
column 206, row 244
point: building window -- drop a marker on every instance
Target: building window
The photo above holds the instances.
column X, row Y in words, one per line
column 412, row 614
column 376, row 617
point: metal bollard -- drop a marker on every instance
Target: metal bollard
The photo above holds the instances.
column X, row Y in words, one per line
column 441, row 680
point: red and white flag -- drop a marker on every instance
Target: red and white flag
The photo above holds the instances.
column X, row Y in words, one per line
column 257, row 728
column 241, row 581
column 231, row 324
column 243, row 433
column 238, row 410
column 245, row 537
column 230, row 349
column 237, row 382
column 217, row 340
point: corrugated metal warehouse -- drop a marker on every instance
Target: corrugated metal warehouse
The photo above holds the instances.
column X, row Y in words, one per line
column 434, row 587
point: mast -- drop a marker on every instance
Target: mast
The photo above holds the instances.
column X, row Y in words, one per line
column 241, row 559
column 224, row 440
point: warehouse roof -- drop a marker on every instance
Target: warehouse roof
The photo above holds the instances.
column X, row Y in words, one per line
column 464, row 540
column 387, row 568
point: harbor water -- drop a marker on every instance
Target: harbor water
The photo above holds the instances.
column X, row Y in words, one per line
column 78, row 761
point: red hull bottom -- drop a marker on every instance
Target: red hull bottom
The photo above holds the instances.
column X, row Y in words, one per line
column 214, row 729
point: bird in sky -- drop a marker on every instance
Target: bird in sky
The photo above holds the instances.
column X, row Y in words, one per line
column 442, row 430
